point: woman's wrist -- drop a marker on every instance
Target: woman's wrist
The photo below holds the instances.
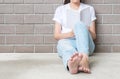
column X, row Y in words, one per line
column 71, row 34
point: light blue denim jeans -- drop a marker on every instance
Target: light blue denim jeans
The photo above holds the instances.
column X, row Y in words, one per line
column 82, row 43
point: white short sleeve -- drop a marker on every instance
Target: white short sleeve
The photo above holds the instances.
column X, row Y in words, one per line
column 57, row 15
column 92, row 11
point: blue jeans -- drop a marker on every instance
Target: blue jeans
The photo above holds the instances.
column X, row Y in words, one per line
column 82, row 43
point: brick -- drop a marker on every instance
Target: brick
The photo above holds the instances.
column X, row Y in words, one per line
column 104, row 29
column 43, row 28
column 55, row 49
column 33, row 39
column 13, row 1
column 26, row 26
column 6, row 49
column 103, row 48
column 99, row 19
column 115, row 39
column 24, row 29
column 13, row 18
column 97, row 1
column 43, row 8
column 111, row 1
column 33, row 19
column 111, row 19
column 1, row 18
column 116, row 29
column 49, row 40
column 55, row 6
column 98, row 39
column 33, row 1
column 108, row 39
column 99, row 9
column 116, row 49
column 6, row 8
column 43, row 49
column 53, row 1
column 24, row 49
column 116, row 9
column 102, row 39
column 2, row 39
column 7, row 29
column 47, row 18
column 23, row 8
column 14, row 39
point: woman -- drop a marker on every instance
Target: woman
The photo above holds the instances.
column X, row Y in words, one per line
column 74, row 44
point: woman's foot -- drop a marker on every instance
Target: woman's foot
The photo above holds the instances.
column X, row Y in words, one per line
column 84, row 64
column 73, row 63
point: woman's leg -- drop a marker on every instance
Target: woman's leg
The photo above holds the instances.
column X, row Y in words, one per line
column 84, row 40
column 66, row 49
column 84, row 44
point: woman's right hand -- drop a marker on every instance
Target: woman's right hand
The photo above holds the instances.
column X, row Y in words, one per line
column 71, row 34
column 58, row 35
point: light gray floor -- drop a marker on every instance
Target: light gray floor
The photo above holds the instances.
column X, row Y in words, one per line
column 49, row 66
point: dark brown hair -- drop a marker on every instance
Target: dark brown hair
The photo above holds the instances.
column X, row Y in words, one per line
column 68, row 1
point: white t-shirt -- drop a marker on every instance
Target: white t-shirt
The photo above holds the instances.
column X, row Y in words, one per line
column 60, row 15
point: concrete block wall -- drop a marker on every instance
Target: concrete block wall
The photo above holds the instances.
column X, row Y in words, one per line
column 27, row 26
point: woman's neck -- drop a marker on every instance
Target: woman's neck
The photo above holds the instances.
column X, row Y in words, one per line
column 75, row 6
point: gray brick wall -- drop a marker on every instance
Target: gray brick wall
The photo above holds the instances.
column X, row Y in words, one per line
column 27, row 26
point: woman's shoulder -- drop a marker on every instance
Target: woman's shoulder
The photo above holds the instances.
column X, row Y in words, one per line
column 62, row 7
column 86, row 5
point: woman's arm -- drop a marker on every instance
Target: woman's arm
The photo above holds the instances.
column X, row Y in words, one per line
column 58, row 35
column 57, row 32
column 92, row 30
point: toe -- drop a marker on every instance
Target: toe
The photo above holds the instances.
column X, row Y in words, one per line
column 74, row 55
column 89, row 71
column 80, row 68
column 80, row 54
column 86, row 70
column 71, row 59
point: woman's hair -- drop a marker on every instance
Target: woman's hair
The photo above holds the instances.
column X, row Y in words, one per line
column 68, row 1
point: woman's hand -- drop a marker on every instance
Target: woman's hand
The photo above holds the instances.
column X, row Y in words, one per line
column 71, row 34
column 89, row 28
column 58, row 35
column 92, row 30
